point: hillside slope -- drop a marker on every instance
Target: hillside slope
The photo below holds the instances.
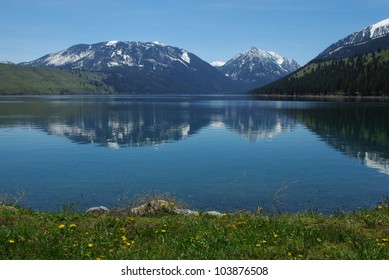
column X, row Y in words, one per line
column 42, row 80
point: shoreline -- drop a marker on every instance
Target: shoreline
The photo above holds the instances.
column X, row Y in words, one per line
column 297, row 97
column 162, row 235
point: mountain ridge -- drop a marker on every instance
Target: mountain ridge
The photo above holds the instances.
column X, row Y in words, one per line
column 147, row 67
column 150, row 67
column 369, row 39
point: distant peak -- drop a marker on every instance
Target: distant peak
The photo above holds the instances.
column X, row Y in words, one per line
column 111, row 43
column 217, row 63
column 255, row 50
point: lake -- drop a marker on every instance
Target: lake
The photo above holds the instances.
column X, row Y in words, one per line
column 215, row 152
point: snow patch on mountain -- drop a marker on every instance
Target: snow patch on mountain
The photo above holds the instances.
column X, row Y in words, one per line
column 279, row 59
column 159, row 43
column 111, row 43
column 185, row 57
column 62, row 58
column 379, row 29
column 217, row 63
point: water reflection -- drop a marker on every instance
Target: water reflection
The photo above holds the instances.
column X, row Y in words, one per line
column 359, row 130
column 128, row 123
column 204, row 162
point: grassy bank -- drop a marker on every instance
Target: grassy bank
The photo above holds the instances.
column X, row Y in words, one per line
column 27, row 234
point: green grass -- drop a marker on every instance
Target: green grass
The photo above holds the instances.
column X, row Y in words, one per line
column 27, row 234
column 43, row 80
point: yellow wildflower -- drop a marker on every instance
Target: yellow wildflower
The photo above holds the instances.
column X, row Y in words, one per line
column 385, row 239
column 163, row 230
column 73, row 225
column 172, row 204
column 98, row 259
column 318, row 239
column 379, row 207
column 122, row 229
column 127, row 243
column 275, row 235
column 11, row 241
column 130, row 219
column 289, row 254
column 124, row 238
column 258, row 245
column 90, row 245
column 110, row 250
column 224, row 215
column 61, row 226
column 264, row 241
column 163, row 204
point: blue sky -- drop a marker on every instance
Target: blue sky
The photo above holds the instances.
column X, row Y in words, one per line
column 212, row 29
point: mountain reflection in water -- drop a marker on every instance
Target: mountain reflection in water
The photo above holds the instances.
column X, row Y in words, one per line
column 127, row 123
column 203, row 161
column 358, row 130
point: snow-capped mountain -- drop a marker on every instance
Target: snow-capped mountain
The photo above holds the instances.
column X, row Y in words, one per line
column 141, row 67
column 256, row 67
column 369, row 39
column 106, row 55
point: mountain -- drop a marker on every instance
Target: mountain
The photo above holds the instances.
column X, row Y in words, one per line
column 369, row 39
column 355, row 65
column 112, row 54
column 141, row 67
column 257, row 67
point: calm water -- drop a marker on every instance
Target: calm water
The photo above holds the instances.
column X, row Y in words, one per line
column 214, row 152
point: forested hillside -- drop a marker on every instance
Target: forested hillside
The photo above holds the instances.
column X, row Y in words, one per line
column 365, row 75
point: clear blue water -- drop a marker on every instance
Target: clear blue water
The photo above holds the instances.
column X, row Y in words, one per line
column 214, row 152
